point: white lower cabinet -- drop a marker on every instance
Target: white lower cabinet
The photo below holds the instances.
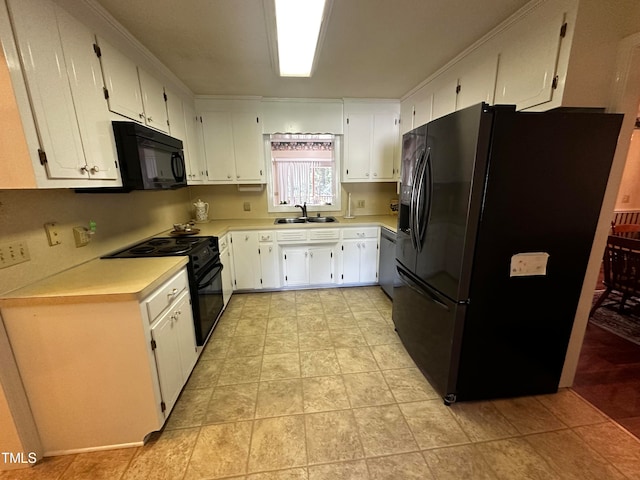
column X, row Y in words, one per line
column 103, row 372
column 308, row 265
column 227, row 269
column 174, row 347
column 255, row 260
column 359, row 255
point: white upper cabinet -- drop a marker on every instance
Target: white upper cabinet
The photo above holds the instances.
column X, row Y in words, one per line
column 193, row 146
column 132, row 92
column 528, row 59
column 153, row 101
column 372, row 131
column 233, row 147
column 302, row 116
column 476, row 80
column 65, row 89
column 122, row 83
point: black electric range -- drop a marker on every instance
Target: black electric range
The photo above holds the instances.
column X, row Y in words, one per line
column 204, row 270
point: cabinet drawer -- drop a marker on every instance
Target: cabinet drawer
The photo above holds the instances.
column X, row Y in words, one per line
column 324, row 234
column 265, row 236
column 166, row 294
column 292, row 235
column 367, row 232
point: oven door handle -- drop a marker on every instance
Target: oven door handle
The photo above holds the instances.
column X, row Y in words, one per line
column 217, row 269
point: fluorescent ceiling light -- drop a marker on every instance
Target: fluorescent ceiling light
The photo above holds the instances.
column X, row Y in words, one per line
column 298, row 24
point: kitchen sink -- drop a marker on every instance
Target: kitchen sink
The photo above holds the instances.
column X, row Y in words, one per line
column 321, row 219
column 304, row 220
column 289, row 220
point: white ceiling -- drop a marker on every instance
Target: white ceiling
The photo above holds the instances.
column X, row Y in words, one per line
column 372, row 48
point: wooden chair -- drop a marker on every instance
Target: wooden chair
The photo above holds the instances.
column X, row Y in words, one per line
column 621, row 270
column 627, row 230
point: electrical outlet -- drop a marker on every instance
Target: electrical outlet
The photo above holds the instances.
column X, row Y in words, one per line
column 13, row 253
column 247, row 206
column 53, row 234
column 81, row 236
column 360, row 203
column 625, row 199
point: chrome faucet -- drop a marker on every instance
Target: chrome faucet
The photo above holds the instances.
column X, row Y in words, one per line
column 304, row 209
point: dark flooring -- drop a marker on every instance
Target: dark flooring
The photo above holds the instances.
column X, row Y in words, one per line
column 608, row 376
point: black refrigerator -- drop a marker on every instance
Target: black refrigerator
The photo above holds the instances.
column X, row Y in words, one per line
column 498, row 211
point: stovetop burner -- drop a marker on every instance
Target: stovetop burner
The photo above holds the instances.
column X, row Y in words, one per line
column 176, row 249
column 167, row 246
column 141, row 250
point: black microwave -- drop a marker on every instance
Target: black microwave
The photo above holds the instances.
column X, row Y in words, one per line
column 149, row 160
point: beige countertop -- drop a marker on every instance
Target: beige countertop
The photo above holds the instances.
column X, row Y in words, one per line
column 99, row 280
column 125, row 279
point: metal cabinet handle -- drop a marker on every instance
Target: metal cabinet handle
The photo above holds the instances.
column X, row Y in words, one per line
column 95, row 169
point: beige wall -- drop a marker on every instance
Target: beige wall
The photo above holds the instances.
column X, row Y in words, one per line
column 227, row 202
column 121, row 219
column 629, row 193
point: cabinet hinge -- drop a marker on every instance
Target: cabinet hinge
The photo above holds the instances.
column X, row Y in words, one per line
column 342, row 247
column 563, row 30
column 116, row 162
column 96, row 49
column 153, row 345
column 347, row 171
column 285, row 256
column 286, row 278
column 332, row 275
column 342, row 276
column 331, row 254
column 458, row 88
column 106, row 93
column 258, row 251
column 257, row 119
column 42, row 156
column 554, row 83
column 260, row 281
column 164, row 94
column 163, row 406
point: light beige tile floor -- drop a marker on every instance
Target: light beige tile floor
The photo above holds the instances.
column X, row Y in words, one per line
column 315, row 385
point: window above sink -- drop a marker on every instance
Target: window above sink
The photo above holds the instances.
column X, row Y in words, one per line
column 303, row 168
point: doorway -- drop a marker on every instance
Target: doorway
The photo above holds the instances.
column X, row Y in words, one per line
column 607, row 373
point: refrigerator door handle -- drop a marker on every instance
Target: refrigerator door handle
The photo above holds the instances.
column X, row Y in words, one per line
column 413, row 204
column 420, row 217
column 413, row 286
column 413, row 212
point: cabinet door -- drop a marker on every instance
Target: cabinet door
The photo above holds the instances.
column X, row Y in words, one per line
column 295, row 266
column 444, row 94
column 167, row 355
column 217, row 133
column 269, row 266
column 155, row 107
column 195, row 146
column 40, row 47
column 351, row 261
column 247, row 145
column 227, row 281
column 175, row 116
column 477, row 81
column 246, row 260
column 423, row 106
column 358, row 143
column 185, row 334
column 92, row 113
column 320, row 265
column 368, row 260
column 121, row 80
column 385, row 143
column 528, row 60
